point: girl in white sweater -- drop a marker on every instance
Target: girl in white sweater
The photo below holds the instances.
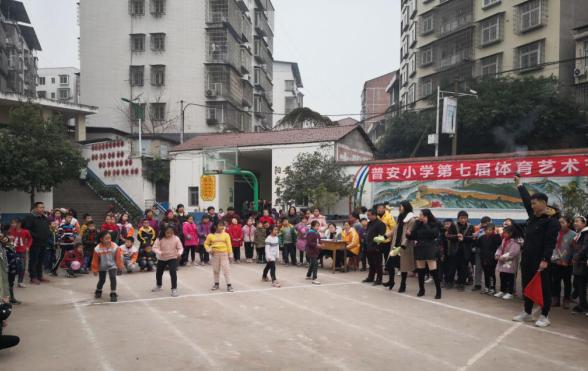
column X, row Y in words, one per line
column 272, row 251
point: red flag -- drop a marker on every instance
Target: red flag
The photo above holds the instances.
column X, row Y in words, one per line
column 534, row 290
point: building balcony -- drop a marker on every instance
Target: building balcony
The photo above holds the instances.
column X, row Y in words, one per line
column 261, row 52
column 246, row 61
column 261, row 24
column 247, row 100
column 223, row 47
column 453, row 16
column 223, row 12
column 262, row 109
column 224, row 83
column 228, row 116
column 453, row 50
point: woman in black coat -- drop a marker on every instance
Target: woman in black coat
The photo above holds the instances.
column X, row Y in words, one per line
column 426, row 234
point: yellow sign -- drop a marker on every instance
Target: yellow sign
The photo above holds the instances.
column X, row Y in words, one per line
column 208, row 187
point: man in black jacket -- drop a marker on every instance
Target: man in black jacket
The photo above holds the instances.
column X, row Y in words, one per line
column 540, row 240
column 460, row 238
column 38, row 225
column 374, row 250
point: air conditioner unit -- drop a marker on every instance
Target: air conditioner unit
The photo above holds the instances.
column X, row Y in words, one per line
column 211, row 92
column 579, row 72
column 246, row 77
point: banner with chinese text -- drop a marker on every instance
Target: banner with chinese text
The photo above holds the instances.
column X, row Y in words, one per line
column 532, row 167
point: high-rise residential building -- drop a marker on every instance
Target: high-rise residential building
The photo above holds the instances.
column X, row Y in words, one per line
column 287, row 93
column 449, row 42
column 375, row 102
column 581, row 65
column 18, row 47
column 60, row 83
column 214, row 56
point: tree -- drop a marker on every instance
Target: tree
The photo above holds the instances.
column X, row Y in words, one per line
column 314, row 178
column 575, row 200
column 510, row 114
column 37, row 153
column 304, row 118
column 156, row 170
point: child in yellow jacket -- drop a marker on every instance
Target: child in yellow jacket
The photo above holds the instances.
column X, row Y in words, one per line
column 219, row 246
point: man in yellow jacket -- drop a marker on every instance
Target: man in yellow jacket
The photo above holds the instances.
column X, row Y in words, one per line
column 386, row 218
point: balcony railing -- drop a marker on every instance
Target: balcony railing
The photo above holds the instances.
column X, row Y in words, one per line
column 228, row 116
column 455, row 16
column 261, row 24
column 246, row 61
column 261, row 80
column 261, row 52
column 454, row 50
column 247, row 100
column 262, row 109
column 222, row 47
column 223, row 82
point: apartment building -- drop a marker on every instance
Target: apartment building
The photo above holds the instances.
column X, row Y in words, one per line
column 376, row 98
column 60, row 83
column 581, row 65
column 445, row 42
column 287, row 93
column 214, row 56
column 18, row 47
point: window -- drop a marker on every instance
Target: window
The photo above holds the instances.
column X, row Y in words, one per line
column 490, row 31
column 412, row 35
column 404, row 75
column 137, row 7
column 412, row 64
column 214, row 115
column 138, row 42
column 157, row 111
column 412, row 6
column 157, row 7
column 426, row 87
column 158, row 42
column 63, row 94
column 136, row 77
column 489, row 3
column 530, row 15
column 193, row 196
column 158, row 75
column 411, row 94
column 289, row 85
column 427, row 56
column 491, row 66
column 530, row 55
column 63, row 79
column 41, row 94
column 52, row 95
column 53, row 80
column 428, row 25
column 404, row 46
column 405, row 11
column 41, row 80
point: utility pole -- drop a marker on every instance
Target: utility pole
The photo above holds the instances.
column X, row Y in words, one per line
column 182, row 129
column 437, row 123
column 454, row 138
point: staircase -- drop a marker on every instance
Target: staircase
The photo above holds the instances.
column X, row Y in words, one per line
column 73, row 195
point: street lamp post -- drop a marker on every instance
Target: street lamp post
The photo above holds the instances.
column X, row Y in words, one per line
column 183, row 117
column 136, row 106
column 440, row 95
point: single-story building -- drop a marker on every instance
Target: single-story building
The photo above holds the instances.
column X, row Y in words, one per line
column 266, row 154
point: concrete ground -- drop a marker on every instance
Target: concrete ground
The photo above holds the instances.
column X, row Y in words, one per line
column 340, row 325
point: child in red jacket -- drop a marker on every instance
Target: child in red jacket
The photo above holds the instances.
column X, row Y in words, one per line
column 73, row 260
column 22, row 240
column 235, row 230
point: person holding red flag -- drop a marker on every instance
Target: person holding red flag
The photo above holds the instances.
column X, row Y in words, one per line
column 540, row 240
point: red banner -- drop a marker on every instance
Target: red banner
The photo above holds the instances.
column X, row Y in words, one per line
column 539, row 167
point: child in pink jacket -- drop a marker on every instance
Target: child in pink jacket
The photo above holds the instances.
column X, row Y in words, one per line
column 508, row 262
column 191, row 240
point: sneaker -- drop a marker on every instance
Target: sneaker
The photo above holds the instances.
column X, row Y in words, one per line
column 316, row 282
column 14, row 301
column 491, row 292
column 113, row 297
column 508, row 297
column 428, row 280
column 265, row 279
column 367, row 280
column 35, row 281
column 214, row 287
column 98, row 294
column 577, row 310
column 22, row 285
column 276, row 284
column 499, row 294
column 523, row 317
column 542, row 321
column 484, row 291
column 308, row 278
column 156, row 289
column 230, row 288
column 174, row 293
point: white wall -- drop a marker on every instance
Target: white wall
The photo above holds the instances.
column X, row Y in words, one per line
column 105, row 53
column 51, row 88
column 15, row 202
column 185, row 172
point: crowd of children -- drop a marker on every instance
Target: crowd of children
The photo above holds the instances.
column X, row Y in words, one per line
column 454, row 254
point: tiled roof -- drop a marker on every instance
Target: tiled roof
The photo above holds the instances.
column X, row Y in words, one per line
column 292, row 136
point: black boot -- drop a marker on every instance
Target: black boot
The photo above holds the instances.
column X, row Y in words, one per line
column 403, row 277
column 12, row 298
column 437, row 283
column 98, row 294
column 113, row 297
column 421, row 276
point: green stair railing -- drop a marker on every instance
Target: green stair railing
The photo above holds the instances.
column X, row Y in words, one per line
column 115, row 194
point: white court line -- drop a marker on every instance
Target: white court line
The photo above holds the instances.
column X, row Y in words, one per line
column 358, row 328
column 91, row 336
column 543, row 359
column 175, row 330
column 332, row 362
column 470, row 311
column 208, row 294
column 476, row 357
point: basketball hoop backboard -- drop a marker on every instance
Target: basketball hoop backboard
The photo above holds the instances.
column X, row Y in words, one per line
column 217, row 160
